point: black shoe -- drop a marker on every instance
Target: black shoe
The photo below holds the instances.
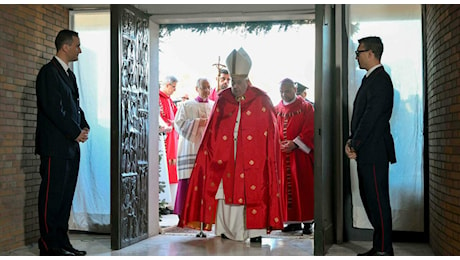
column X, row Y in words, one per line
column 292, row 227
column 383, row 254
column 75, row 251
column 372, row 251
column 307, row 229
column 223, row 236
column 55, row 252
column 256, row 240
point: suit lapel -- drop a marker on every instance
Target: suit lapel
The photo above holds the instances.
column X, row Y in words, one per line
column 367, row 80
column 72, row 83
column 374, row 74
column 360, row 89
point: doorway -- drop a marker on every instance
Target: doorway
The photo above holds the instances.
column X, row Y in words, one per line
column 271, row 14
column 91, row 205
column 396, row 25
column 276, row 53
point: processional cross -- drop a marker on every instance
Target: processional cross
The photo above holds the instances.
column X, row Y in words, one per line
column 219, row 66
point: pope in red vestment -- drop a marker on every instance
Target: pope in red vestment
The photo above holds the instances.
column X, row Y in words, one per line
column 295, row 119
column 239, row 152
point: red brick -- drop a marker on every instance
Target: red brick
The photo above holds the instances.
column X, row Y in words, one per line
column 443, row 125
column 26, row 44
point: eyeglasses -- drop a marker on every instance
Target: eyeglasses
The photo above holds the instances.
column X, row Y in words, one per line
column 357, row 52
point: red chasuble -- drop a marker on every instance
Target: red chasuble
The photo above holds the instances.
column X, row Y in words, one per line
column 297, row 120
column 167, row 112
column 253, row 179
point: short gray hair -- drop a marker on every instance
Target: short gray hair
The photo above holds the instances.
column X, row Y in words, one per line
column 169, row 80
column 200, row 81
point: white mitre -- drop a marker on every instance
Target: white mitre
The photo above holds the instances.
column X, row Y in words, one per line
column 239, row 63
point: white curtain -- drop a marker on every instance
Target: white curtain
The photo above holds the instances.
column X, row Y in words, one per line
column 91, row 204
column 400, row 29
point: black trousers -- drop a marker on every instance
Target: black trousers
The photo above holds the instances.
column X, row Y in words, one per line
column 374, row 191
column 59, row 179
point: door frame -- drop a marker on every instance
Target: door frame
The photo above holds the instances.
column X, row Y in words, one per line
column 328, row 129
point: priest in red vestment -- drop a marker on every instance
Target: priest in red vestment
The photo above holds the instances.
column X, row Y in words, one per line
column 296, row 133
column 236, row 181
column 168, row 112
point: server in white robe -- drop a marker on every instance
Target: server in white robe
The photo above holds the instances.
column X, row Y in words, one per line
column 190, row 123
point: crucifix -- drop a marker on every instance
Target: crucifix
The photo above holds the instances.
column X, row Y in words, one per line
column 219, row 66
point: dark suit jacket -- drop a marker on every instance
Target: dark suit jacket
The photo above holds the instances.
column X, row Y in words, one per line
column 59, row 117
column 370, row 123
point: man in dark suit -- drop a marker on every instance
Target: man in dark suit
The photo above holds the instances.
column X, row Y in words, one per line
column 61, row 126
column 371, row 143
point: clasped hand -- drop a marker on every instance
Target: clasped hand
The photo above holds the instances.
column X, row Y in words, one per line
column 351, row 153
column 287, row 146
column 83, row 136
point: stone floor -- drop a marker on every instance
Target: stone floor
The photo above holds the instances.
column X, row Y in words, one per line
column 173, row 242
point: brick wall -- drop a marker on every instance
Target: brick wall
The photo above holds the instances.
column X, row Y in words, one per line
column 443, row 95
column 27, row 35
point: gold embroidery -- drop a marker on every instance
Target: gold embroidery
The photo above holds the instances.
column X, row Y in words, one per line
column 290, row 114
column 241, row 98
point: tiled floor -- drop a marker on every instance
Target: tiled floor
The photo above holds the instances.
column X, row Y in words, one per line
column 172, row 243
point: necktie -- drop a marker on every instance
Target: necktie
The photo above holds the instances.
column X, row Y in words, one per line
column 71, row 75
column 364, row 80
column 73, row 79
